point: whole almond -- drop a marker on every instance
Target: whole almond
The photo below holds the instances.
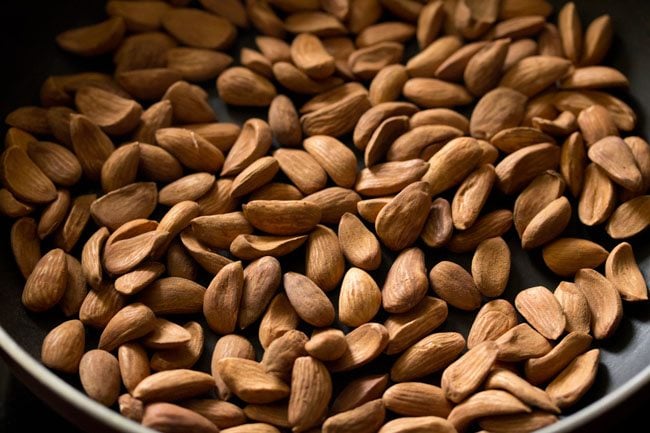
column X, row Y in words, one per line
column 204, row 256
column 309, row 301
column 455, row 285
column 420, row 423
column 533, row 74
column 191, row 150
column 493, row 320
column 54, row 214
column 390, row 177
column 12, row 207
column 616, row 159
column 387, row 31
column 336, row 159
column 281, row 354
column 47, row 282
column 521, row 342
column 595, row 123
column 598, row 196
column 221, row 413
column 359, row 299
column 76, row 289
column 169, row 417
column 130, row 323
column 623, row 271
column 483, row 70
column 121, row 167
column 549, row 223
column 387, row 84
column 94, row 39
column 371, row 119
column 243, row 87
column 597, row 40
column 539, row 193
column 413, row 201
column 491, row 266
column 336, row 119
column 508, row 381
column 334, row 202
column 328, row 344
column 358, row 244
column 630, row 218
column 173, row 385
column 463, row 377
column 452, row 164
column 187, row 188
column 134, row 364
column 542, row 369
column 125, row 255
column 282, row 217
column 221, row 301
column 366, row 62
column 406, row 283
column 434, row 93
column 100, row 376
column 311, row 390
column 261, row 280
column 604, row 302
column 158, row 164
column 498, row 109
column 512, row 139
column 284, row 121
column 173, row 295
column 493, row 224
column 565, row 256
column 485, row 403
column 439, row 226
column 404, row 329
column 518, row 168
column 166, row 335
column 251, row 247
column 428, row 355
column 130, row 407
column 114, row 114
column 308, row 54
column 360, row 391
column 68, row 234
column 100, row 306
column 229, row 346
column 575, row 307
column 197, row 28
column 425, row 63
column 297, row 81
column 184, row 356
column 279, row 318
column 219, row 231
column 197, row 64
column 302, row 169
column 363, row 419
column 575, row 380
column 24, row 178
column 324, row 262
column 422, row 141
column 471, row 195
column 63, row 346
column 416, row 399
column 542, row 310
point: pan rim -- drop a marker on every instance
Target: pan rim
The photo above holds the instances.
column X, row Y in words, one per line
column 11, row 349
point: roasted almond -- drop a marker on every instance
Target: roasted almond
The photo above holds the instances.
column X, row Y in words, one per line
column 311, row 390
column 463, row 377
column 565, row 256
column 63, row 346
column 251, row 247
column 359, row 298
column 491, row 266
column 471, row 195
column 542, row 369
column 498, row 109
column 324, row 262
column 241, row 86
column 575, row 307
column 309, row 301
column 364, row 344
column 406, row 283
column 173, row 385
column 358, row 244
column 248, row 380
column 575, row 380
column 493, row 320
column 416, row 399
column 455, row 285
column 604, row 302
column 389, row 225
column 542, row 310
column 100, row 376
column 191, row 150
column 521, row 342
column 428, row 355
column 95, row 39
column 434, row 93
column 493, row 224
column 302, row 169
column 197, row 28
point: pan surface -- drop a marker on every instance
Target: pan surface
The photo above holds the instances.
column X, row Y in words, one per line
column 30, row 55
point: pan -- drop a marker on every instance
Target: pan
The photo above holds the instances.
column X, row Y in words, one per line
column 30, row 55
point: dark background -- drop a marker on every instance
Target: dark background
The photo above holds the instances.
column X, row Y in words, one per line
column 29, row 55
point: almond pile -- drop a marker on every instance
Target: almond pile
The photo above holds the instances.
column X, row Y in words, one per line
column 152, row 226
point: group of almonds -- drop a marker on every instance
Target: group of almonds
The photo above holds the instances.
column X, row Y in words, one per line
column 235, row 199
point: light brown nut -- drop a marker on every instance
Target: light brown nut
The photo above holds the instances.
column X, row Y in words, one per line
column 422, row 141
column 576, row 101
column 604, row 302
column 406, row 283
column 134, row 364
column 439, row 226
column 471, row 196
column 548, row 224
column 170, row 417
column 302, row 169
column 94, row 39
column 483, row 70
column 191, row 150
column 334, row 157
column 630, row 218
column 493, row 320
column 597, row 40
column 309, row 301
column 358, row 244
column 327, row 344
column 428, row 355
column 491, row 266
column 544, row 189
column 284, row 121
column 542, row 310
column 248, row 380
column 173, row 385
column 130, row 323
column 520, row 167
column 565, row 256
column 542, row 369
column 360, row 391
column 416, row 399
column 420, row 423
column 387, row 85
column 63, row 346
column 498, row 109
column 199, row 29
column 623, row 271
column 512, row 139
column 493, row 224
column 334, row 202
column 359, row 298
column 485, row 403
column 501, row 378
column 451, row 164
column 221, row 413
column 47, row 282
column 455, row 285
column 616, row 159
column 173, row 295
column 100, row 376
column 229, row 346
column 364, row 344
column 197, row 64
column 251, row 247
column 404, row 329
column 281, row 354
column 575, row 307
column 243, row 87
column 324, row 262
column 390, row 177
column 282, row 217
column 221, row 301
column 311, row 390
column 573, row 163
column 261, row 281
column 365, row 419
column 391, row 224
column 99, row 307
column 521, row 342
column 370, row 120
column 434, row 93
column 464, row 376
column 575, row 380
column 533, row 74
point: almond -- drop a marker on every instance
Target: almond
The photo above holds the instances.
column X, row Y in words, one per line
column 229, row 346
column 311, row 390
column 134, row 364
column 542, row 191
column 282, row 217
column 576, row 101
column 248, row 380
column 623, row 271
column 130, row 323
column 221, row 301
column 69, row 232
column 565, row 256
column 572, row 163
column 425, row 63
column 493, row 320
column 114, row 114
column 191, row 150
column 455, row 285
column 463, row 377
column 363, row 419
column 416, row 399
column 221, row 413
column 100, row 376
column 575, row 380
column 284, row 121
column 309, row 301
column 412, row 201
column 100, row 306
column 520, row 343
column 24, row 178
column 453, row 67
column 12, row 207
column 387, row 85
column 491, row 266
column 629, row 219
column 471, row 196
column 261, row 281
column 360, row 391
column 168, row 417
column 189, row 103
column 251, row 247
column 364, row 344
column 95, row 39
column 166, row 335
column 199, row 29
column 616, row 159
column 366, row 62
column 429, row 23
column 518, row 168
column 533, row 74
column 281, row 354
column 404, row 329
column 498, row 109
column 324, row 262
column 371, row 119
column 358, row 244
column 540, row 370
column 597, row 40
column 406, row 283
column 241, row 86
column 542, row 310
column 173, row 295
column 279, row 318
column 359, row 299
column 434, row 93
column 297, row 81
column 173, row 385
column 334, row 157
column 336, row 119
column 47, row 282
column 428, row 355
column 421, row 141
column 390, row 177
column 54, row 214
column 334, row 202
column 63, row 346
column 452, row 164
column 483, row 70
column 493, row 224
column 575, row 306
column 421, row 423
column 604, row 302
column 302, row 169
column 508, row 381
column 549, row 223
column 439, row 226
column 485, row 403
column 326, row 344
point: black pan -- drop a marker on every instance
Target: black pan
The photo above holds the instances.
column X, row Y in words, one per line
column 30, row 55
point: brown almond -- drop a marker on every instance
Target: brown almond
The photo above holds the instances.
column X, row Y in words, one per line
column 69, row 232
column 539, row 193
column 130, row 323
column 431, row 354
column 522, row 48
column 282, row 217
column 542, row 369
column 564, row 124
column 381, row 140
column 173, row 295
column 100, row 306
column 575, row 380
column 390, row 177
column 533, row 74
column 173, row 385
column 243, row 87
column 308, row 54
column 597, row 40
column 359, row 299
column 311, row 390
column 616, row 159
column 404, row 329
column 520, row 343
column 623, row 271
column 197, row 64
column 358, row 244
column 453, row 68
column 221, row 413
column 364, row 344
column 100, row 376
column 256, row 62
column 518, row 168
column 493, row 320
column 597, row 199
column 281, row 354
column 471, row 195
column 549, row 223
column 334, row 202
column 420, row 423
column 491, row 266
column 221, row 301
column 261, row 280
column 406, row 283
column 12, row 207
column 629, row 219
column 207, row 258
column 573, row 162
column 168, row 417
column 251, row 247
column 253, row 177
column 157, row 164
column 416, row 399
column 422, row 141
column 284, row 121
column 439, row 226
column 229, row 346
column 363, row 419
column 366, row 62
column 309, row 301
column 76, row 289
column 412, row 201
column 218, row 200
column 434, row 93
column 334, row 157
column 542, row 310
column 219, row 231
column 451, row 164
column 570, row 29
column 324, row 262
column 455, row 285
column 575, row 307
column 297, row 81
column 508, row 381
column 31, row 119
column 166, row 335
column 464, row 376
column 95, row 39
column 429, row 23
column 47, row 282
column 565, row 256
column 369, row 209
column 498, row 109
column 54, row 214
column 114, row 114
column 24, row 178
column 279, row 318
column 387, row 85
column 275, row 414
column 63, row 346
column 197, row 28
column 134, row 364
column 604, row 302
column 56, row 162
column 394, row 31
column 512, row 139
column 425, row 62
column 336, row 119
column 595, row 123
column 371, row 119
column 483, row 70
column 189, row 103
column 485, row 403
column 302, row 169
column 576, row 101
